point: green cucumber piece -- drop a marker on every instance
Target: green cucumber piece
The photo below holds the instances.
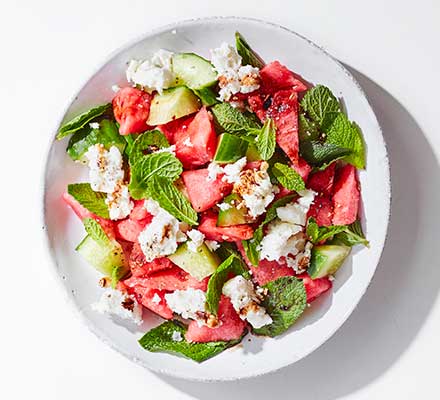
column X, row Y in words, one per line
column 172, row 104
column 230, row 148
column 193, row 71
column 103, row 257
column 252, row 153
column 199, row 264
column 233, row 215
column 327, row 259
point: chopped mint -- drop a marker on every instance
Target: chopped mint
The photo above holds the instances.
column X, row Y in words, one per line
column 229, row 119
column 288, row 177
column 248, row 56
column 160, row 339
column 81, row 120
column 171, row 199
column 251, row 246
column 233, row 264
column 348, row 235
column 163, row 165
column 106, row 134
column 343, row 133
column 319, row 101
column 351, row 236
column 89, row 199
column 319, row 234
column 95, row 231
column 207, row 95
column 266, row 140
column 285, row 302
column 308, row 130
column 146, row 143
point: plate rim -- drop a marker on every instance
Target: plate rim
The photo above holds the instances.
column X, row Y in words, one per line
column 49, row 251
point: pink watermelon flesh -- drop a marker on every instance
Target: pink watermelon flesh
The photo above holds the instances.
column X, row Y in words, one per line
column 322, row 210
column 208, row 226
column 315, row 287
column 346, row 196
column 275, row 76
column 204, row 194
column 196, row 145
column 129, row 229
column 322, row 181
column 176, row 128
column 139, row 211
column 83, row 213
column 145, row 297
column 140, row 267
column 230, row 328
column 302, row 168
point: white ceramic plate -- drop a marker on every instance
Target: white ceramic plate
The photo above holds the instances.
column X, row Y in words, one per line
column 256, row 355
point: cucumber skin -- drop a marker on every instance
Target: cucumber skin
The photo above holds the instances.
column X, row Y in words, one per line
column 102, row 258
column 230, row 148
column 232, row 216
column 326, row 260
column 198, row 264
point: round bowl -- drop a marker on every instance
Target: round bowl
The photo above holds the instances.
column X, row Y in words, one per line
column 256, row 355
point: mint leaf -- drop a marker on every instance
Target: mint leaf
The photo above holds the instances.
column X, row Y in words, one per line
column 170, row 199
column 308, row 130
column 319, row 101
column 146, row 143
column 95, row 231
column 251, row 246
column 207, row 95
column 285, row 302
column 164, row 165
column 233, row 264
column 229, row 119
column 160, row 339
column 319, row 234
column 89, row 199
column 288, row 177
column 79, row 121
column 248, row 56
column 319, row 154
column 343, row 133
column 266, row 140
column 351, row 236
column 107, row 134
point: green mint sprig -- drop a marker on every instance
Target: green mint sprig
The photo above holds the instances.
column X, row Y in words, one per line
column 89, row 199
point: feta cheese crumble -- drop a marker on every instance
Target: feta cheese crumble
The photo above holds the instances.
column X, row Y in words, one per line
column 246, row 301
column 213, row 171
column 232, row 171
column 285, row 238
column 161, row 237
column 171, row 150
column 154, row 74
column 212, row 245
column 115, row 303
column 176, row 336
column 119, row 202
column 196, row 241
column 189, row 303
column 224, row 206
column 233, row 77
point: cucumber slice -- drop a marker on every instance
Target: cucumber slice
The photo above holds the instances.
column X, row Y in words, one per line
column 172, row 104
column 233, row 215
column 230, row 148
column 327, row 259
column 193, row 71
column 198, row 264
column 252, row 153
column 102, row 257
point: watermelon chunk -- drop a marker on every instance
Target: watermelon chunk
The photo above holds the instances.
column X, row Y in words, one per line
column 83, row 213
column 204, row 194
column 275, row 76
column 208, row 226
column 170, row 279
column 146, row 296
column 129, row 229
column 315, row 287
column 139, row 212
column 131, row 108
column 302, row 168
column 322, row 181
column 259, row 105
column 176, row 128
column 231, row 326
column 346, row 196
column 141, row 267
column 196, row 145
column 322, row 210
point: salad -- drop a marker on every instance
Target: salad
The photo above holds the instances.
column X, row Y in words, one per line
column 223, row 196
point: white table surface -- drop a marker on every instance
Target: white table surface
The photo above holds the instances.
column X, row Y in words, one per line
column 389, row 347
